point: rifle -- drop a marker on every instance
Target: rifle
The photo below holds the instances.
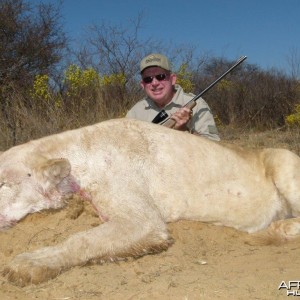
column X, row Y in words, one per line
column 162, row 115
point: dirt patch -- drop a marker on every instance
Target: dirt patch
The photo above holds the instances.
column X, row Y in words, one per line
column 205, row 262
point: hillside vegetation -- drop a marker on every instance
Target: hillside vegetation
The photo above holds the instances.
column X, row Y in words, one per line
column 47, row 87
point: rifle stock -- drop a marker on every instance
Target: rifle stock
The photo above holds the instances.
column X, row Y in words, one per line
column 162, row 115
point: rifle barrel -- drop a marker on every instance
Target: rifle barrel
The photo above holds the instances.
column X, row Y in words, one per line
column 239, row 61
column 162, row 115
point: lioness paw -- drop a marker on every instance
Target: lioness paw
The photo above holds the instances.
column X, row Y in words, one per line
column 25, row 269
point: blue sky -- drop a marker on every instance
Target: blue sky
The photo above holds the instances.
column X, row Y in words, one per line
column 266, row 31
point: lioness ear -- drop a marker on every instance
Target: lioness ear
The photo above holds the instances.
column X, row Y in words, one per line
column 55, row 169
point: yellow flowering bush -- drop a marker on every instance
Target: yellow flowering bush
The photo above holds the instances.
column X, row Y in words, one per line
column 225, row 85
column 218, row 122
column 294, row 119
column 77, row 79
column 42, row 91
column 113, row 79
column 184, row 78
column 41, row 87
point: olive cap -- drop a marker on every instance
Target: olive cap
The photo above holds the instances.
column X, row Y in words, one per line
column 155, row 60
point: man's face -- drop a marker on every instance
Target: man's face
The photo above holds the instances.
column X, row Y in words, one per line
column 158, row 84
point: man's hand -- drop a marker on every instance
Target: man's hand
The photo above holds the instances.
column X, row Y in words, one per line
column 182, row 117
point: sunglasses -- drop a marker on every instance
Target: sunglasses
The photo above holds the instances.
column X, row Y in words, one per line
column 159, row 77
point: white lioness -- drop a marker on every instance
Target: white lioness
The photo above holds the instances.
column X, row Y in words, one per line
column 139, row 176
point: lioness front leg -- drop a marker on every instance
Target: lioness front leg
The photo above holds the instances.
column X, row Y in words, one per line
column 110, row 241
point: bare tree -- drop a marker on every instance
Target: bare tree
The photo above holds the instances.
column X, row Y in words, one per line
column 31, row 40
column 293, row 60
column 116, row 49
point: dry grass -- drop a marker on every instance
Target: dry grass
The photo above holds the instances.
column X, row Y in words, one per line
column 23, row 118
column 279, row 138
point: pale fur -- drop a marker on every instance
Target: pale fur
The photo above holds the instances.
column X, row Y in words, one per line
column 140, row 176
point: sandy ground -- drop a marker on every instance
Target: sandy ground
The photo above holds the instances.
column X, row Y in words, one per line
column 205, row 262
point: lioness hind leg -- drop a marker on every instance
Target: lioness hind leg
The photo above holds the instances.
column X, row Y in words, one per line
column 277, row 233
column 283, row 167
column 287, row 229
